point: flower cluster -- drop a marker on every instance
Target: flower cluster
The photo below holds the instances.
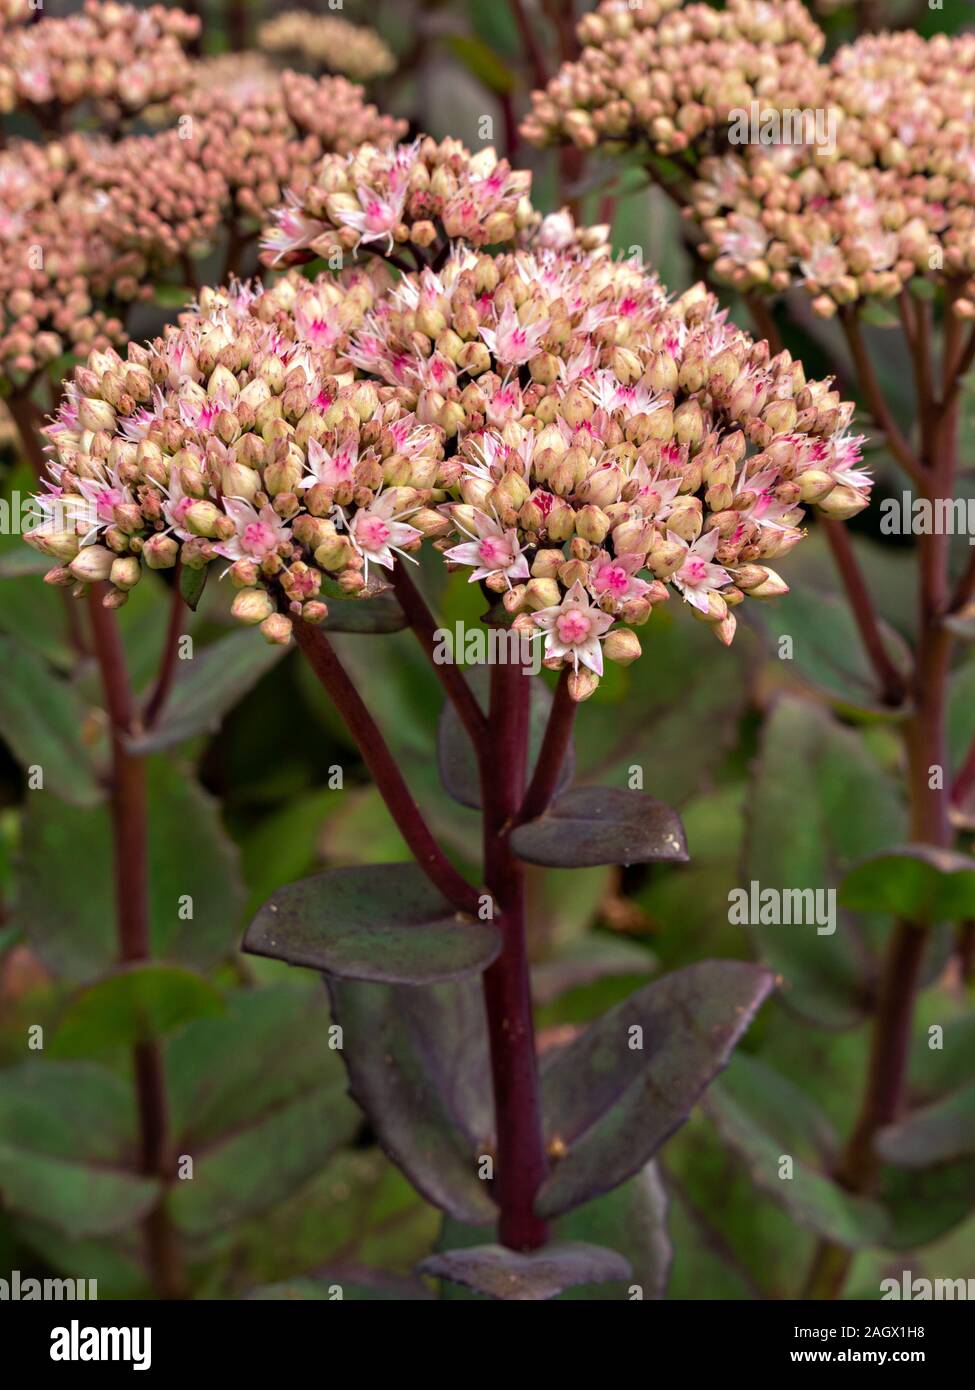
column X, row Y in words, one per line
column 262, row 131
column 892, row 202
column 859, row 175
column 667, row 77
column 419, row 196
column 114, row 56
column 546, row 418
column 55, row 264
column 326, row 41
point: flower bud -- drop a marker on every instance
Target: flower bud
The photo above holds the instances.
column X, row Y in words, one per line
column 582, row 684
column 542, row 593
column 126, row 572
column 622, row 646
column 92, row 564
column 276, row 629
column 202, row 519
column 160, row 552
column 252, row 606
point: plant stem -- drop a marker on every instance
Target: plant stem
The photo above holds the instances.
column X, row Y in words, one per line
column 130, row 828
column 551, row 755
column 449, row 675
column 167, row 666
column 925, row 737
column 522, row 1162
column 891, row 680
column 325, row 663
column 876, row 403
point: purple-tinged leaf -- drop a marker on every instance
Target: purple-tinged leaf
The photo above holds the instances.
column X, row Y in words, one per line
column 455, row 756
column 134, row 1004
column 506, row 1274
column 614, row 1094
column 939, row 1133
column 382, row 922
column 602, row 825
column 418, row 1064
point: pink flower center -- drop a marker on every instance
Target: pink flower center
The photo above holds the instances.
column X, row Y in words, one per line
column 694, row 571
column 493, row 550
column 257, row 538
column 614, row 578
column 371, row 532
column 574, row 627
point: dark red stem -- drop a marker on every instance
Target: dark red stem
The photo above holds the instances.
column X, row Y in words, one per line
column 130, row 828
column 167, row 666
column 450, row 676
column 551, row 755
column 521, row 1157
column 365, row 732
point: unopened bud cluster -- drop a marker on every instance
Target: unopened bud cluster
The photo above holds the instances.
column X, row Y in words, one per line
column 869, row 185
column 544, row 417
column 119, row 58
column 663, row 75
column 326, row 41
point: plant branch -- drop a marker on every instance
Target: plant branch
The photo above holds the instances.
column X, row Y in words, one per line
column 891, row 681
column 167, row 665
column 876, row 403
column 449, row 675
column 325, row 663
column 530, row 43
column 551, row 755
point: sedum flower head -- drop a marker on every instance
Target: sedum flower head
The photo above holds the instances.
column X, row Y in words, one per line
column 546, row 417
column 119, row 58
column 326, row 41
column 421, row 197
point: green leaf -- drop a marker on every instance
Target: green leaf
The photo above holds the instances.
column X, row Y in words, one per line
column 482, row 62
column 136, row 1004
column 75, row 1198
column 207, row 687
column 65, row 898
column 71, row 1110
column 672, row 715
column 827, row 650
column 586, row 826
column 938, row 1133
column 818, row 803
column 920, row 883
column 42, row 718
column 506, row 1274
column 811, row 1198
column 15, row 564
column 363, row 615
column 244, row 1174
column 418, row 1065
column 455, row 755
column 383, row 922
column 192, row 582
column 617, row 1092
column 270, row 1047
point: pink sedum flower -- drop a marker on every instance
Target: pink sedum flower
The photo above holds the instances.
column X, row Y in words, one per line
column 492, row 550
column 573, row 630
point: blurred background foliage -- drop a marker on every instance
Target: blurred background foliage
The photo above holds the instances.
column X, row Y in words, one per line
column 784, row 772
